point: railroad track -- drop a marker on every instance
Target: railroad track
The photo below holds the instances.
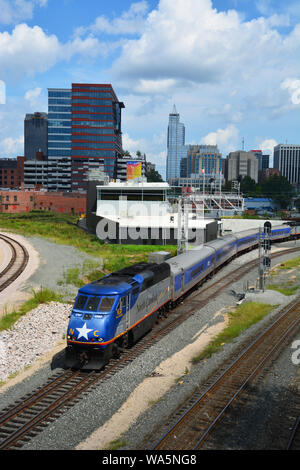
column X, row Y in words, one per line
column 294, row 440
column 194, row 426
column 25, row 418
column 17, row 264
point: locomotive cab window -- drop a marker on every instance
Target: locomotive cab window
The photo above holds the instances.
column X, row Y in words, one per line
column 106, row 304
column 92, row 303
column 80, row 302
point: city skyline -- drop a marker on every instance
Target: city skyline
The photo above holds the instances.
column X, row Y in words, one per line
column 236, row 78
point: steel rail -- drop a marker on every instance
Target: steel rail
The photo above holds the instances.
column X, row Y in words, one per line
column 17, row 264
column 294, row 435
column 216, row 400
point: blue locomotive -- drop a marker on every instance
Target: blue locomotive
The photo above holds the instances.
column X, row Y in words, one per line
column 116, row 311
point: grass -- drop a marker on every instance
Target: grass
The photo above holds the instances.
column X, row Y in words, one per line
column 62, row 229
column 292, row 263
column 38, row 297
column 81, row 275
column 240, row 319
column 116, row 444
column 282, row 289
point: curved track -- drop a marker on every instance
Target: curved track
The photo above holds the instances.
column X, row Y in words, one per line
column 24, row 419
column 17, row 264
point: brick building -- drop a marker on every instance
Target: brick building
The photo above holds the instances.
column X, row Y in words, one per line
column 25, row 201
column 11, row 172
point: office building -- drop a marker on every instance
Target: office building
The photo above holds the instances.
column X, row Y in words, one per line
column 59, row 139
column 203, row 160
column 176, row 148
column 263, row 160
column 96, row 131
column 241, row 164
column 287, row 161
column 35, row 135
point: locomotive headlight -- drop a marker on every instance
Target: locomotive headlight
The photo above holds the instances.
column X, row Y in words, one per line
column 100, row 339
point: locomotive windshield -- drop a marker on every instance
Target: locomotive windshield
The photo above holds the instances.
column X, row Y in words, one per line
column 94, row 303
column 106, row 304
column 80, row 303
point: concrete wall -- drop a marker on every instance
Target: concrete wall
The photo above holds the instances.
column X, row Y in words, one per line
column 238, row 225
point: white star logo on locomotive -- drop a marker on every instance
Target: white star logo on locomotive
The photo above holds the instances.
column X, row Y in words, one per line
column 83, row 332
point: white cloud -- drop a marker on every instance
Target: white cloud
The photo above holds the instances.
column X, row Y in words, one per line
column 2, row 92
column 188, row 43
column 132, row 145
column 11, row 147
column 267, row 146
column 154, row 86
column 33, row 95
column 29, row 50
column 225, row 139
column 13, row 11
column 130, row 22
column 293, row 87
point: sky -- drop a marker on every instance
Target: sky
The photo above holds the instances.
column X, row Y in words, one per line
column 231, row 67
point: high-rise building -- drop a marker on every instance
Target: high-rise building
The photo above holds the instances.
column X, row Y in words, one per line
column 35, row 135
column 287, row 161
column 205, row 159
column 176, row 148
column 265, row 162
column 59, row 139
column 96, row 131
column 241, row 164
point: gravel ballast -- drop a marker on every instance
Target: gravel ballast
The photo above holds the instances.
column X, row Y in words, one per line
column 35, row 334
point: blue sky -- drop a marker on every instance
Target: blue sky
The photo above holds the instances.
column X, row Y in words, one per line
column 231, row 67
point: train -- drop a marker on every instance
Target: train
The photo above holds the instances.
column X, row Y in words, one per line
column 113, row 313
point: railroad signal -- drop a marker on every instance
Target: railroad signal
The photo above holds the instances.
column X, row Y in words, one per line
column 266, row 244
column 263, row 254
column 267, row 227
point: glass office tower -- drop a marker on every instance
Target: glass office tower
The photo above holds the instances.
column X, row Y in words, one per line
column 96, row 131
column 35, row 135
column 176, row 150
column 59, row 139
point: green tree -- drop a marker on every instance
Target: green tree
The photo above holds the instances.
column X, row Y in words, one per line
column 154, row 177
column 248, row 185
